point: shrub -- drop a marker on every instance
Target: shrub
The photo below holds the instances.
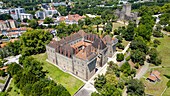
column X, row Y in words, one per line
column 168, row 84
column 120, row 46
column 137, row 65
column 120, row 57
column 128, row 58
column 167, row 28
column 156, row 41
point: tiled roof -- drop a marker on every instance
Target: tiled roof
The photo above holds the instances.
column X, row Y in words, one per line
column 12, row 40
column 13, row 33
column 81, row 43
column 107, row 39
column 4, row 68
column 25, row 28
column 151, row 77
column 53, row 44
column 81, row 32
column 11, row 20
column 100, row 26
column 23, row 24
column 14, row 29
column 86, row 54
column 3, row 44
column 156, row 73
column 99, row 44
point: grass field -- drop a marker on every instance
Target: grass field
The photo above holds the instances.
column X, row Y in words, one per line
column 116, row 25
column 164, row 52
column 15, row 91
column 71, row 83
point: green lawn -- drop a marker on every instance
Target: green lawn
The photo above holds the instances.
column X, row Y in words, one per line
column 116, row 25
column 71, row 83
column 124, row 42
column 15, row 91
column 164, row 50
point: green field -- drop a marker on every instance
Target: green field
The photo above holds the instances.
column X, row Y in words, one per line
column 116, row 25
column 164, row 52
column 71, row 83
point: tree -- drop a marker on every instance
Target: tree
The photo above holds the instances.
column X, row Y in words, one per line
column 154, row 57
column 2, row 72
column 14, row 47
column 120, row 57
column 135, row 88
column 100, row 81
column 80, row 23
column 119, row 38
column 138, row 56
column 129, row 34
column 111, row 79
column 88, row 21
column 110, row 90
column 13, row 69
column 25, row 20
column 138, row 43
column 34, row 41
column 33, row 24
column 144, row 31
column 48, row 20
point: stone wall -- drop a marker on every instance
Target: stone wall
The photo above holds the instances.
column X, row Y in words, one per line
column 51, row 54
column 64, row 62
column 80, row 67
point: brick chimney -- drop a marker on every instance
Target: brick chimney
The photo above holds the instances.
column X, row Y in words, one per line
column 93, row 38
column 91, row 49
column 57, row 49
column 102, row 36
column 89, row 36
column 68, row 53
column 60, row 51
column 86, row 36
column 99, row 46
column 71, row 37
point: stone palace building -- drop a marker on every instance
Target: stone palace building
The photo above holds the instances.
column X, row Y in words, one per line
column 80, row 53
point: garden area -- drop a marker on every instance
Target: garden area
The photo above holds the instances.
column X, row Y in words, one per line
column 71, row 83
column 164, row 69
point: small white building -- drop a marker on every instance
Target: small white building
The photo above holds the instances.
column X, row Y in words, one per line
column 26, row 16
column 40, row 15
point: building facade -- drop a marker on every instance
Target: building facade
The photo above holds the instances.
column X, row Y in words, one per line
column 16, row 13
column 26, row 16
column 80, row 53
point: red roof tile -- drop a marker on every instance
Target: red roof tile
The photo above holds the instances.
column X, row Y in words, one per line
column 151, row 77
column 13, row 33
